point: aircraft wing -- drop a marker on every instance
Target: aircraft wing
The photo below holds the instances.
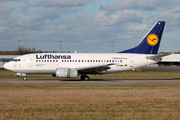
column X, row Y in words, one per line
column 94, row 69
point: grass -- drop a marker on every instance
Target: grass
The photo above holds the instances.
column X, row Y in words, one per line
column 95, row 102
column 4, row 74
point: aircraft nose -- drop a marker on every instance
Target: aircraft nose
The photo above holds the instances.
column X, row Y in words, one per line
column 6, row 66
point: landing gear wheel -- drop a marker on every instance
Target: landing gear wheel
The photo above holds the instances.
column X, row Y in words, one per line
column 84, row 77
column 24, row 78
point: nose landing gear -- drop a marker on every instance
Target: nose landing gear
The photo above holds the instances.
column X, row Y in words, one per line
column 24, row 78
column 22, row 74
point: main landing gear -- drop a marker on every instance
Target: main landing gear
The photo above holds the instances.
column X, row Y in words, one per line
column 84, row 77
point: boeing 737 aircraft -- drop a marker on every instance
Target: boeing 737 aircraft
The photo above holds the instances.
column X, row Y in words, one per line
column 70, row 65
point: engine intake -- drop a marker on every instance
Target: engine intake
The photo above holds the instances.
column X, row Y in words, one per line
column 66, row 72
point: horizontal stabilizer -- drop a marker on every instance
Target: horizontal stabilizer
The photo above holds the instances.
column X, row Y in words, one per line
column 157, row 56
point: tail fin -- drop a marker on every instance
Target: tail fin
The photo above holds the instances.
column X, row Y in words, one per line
column 151, row 41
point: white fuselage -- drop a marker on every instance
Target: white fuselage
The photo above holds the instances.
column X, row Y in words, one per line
column 49, row 62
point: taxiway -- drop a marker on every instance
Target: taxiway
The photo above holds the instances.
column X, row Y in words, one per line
column 95, row 81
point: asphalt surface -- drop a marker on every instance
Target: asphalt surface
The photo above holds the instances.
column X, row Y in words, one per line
column 96, row 81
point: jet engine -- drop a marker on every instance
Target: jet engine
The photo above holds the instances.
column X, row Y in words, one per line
column 66, row 72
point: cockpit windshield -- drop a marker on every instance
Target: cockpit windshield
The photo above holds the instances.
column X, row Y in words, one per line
column 16, row 60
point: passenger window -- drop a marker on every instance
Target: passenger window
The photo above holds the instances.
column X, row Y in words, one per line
column 36, row 60
column 47, row 60
column 120, row 60
column 44, row 60
column 53, row 60
column 56, row 60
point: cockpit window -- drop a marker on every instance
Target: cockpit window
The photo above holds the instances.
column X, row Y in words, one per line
column 17, row 60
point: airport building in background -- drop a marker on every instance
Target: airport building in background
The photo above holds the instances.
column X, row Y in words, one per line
column 170, row 60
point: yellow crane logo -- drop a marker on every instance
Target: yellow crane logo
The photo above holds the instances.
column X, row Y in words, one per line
column 152, row 39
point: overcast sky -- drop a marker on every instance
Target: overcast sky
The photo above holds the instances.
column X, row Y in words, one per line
column 86, row 25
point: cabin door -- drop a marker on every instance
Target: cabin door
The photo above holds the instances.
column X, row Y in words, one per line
column 30, row 62
column 131, row 62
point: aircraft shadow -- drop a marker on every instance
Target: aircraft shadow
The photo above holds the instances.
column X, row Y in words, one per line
column 112, row 80
column 69, row 80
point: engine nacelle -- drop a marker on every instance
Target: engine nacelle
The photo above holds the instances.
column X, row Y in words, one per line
column 66, row 72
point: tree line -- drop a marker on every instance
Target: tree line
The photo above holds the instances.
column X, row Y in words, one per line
column 26, row 50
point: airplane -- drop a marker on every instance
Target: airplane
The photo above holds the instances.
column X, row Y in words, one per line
column 70, row 65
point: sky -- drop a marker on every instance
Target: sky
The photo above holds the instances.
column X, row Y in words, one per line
column 86, row 25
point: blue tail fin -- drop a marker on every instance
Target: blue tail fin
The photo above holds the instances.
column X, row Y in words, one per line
column 151, row 41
